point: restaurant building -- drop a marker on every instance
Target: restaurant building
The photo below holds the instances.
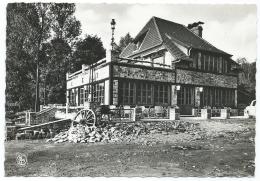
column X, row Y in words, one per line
column 167, row 64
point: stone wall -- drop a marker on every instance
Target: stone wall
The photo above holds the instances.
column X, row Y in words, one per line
column 205, row 79
column 143, row 74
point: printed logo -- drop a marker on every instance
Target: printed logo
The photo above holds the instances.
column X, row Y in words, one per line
column 21, row 159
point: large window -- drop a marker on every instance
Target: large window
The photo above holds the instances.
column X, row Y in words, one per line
column 217, row 97
column 211, row 63
column 143, row 93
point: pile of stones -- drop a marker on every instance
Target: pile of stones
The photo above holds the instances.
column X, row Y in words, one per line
column 120, row 131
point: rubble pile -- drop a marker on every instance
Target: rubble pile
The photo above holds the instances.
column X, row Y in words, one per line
column 120, row 131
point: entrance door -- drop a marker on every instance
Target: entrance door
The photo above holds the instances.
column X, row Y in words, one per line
column 185, row 99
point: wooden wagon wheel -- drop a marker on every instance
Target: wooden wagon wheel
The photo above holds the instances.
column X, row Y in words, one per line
column 86, row 117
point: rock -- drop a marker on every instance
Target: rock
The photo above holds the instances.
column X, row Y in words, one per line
column 164, row 133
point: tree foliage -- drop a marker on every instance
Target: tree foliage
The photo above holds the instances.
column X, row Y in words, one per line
column 88, row 50
column 44, row 35
column 247, row 81
column 123, row 42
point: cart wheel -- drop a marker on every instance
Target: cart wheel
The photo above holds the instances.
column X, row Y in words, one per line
column 86, row 117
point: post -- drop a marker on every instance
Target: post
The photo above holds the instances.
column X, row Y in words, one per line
column 197, row 96
column 67, row 102
column 205, row 113
column 174, row 113
column 225, row 113
column 36, row 106
column 174, row 95
column 236, row 98
column 29, row 120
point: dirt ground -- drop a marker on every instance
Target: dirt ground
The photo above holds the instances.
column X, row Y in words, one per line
column 223, row 148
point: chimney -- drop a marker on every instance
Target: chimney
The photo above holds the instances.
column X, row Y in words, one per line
column 196, row 28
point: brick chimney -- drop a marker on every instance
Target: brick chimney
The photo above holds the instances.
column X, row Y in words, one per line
column 196, row 28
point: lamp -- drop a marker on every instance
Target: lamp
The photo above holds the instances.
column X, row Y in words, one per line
column 178, row 87
column 201, row 89
column 113, row 24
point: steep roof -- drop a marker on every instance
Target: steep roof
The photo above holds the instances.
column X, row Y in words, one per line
column 160, row 31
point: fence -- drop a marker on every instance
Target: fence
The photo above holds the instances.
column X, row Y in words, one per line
column 218, row 112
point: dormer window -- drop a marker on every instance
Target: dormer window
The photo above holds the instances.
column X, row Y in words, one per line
column 139, row 40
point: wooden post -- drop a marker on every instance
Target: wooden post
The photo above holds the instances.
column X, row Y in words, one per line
column 174, row 95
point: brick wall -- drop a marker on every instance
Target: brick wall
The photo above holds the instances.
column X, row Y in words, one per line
column 205, row 79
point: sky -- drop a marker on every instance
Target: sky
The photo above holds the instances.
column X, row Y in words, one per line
column 231, row 28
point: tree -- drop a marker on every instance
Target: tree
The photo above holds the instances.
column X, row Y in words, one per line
column 88, row 50
column 33, row 53
column 247, row 81
column 123, row 42
column 22, row 51
column 42, row 27
column 59, row 51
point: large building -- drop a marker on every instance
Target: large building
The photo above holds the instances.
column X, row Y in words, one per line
column 167, row 64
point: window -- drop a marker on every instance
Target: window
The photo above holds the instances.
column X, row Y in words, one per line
column 215, row 64
column 220, row 65
column 87, row 92
column 161, row 93
column 217, row 97
column 81, row 96
column 98, row 92
column 195, row 60
column 224, row 66
column 211, row 64
column 202, row 62
column 143, row 93
column 185, row 95
column 72, row 97
column 206, row 62
column 126, row 89
column 139, row 41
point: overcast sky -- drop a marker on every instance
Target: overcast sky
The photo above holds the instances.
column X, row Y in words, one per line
column 231, row 28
